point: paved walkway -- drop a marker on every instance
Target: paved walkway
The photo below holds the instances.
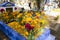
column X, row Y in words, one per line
column 3, row 36
column 54, row 12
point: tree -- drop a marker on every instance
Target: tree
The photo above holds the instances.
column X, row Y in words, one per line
column 11, row 0
column 39, row 2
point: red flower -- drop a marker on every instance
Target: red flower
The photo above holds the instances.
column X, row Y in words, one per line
column 15, row 8
column 2, row 10
column 28, row 27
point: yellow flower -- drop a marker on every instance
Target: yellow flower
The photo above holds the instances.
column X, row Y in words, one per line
column 6, row 17
column 19, row 15
column 13, row 24
column 42, row 21
column 45, row 17
column 37, row 14
column 24, row 17
column 5, row 14
column 14, row 13
column 28, row 14
column 26, row 33
column 28, row 19
column 32, row 25
column 35, row 21
column 23, row 21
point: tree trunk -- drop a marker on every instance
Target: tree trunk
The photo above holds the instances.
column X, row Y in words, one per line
column 38, row 4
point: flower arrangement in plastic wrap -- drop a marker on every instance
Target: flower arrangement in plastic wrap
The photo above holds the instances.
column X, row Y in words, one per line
column 29, row 24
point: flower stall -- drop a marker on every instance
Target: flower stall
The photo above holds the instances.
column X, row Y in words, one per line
column 26, row 25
